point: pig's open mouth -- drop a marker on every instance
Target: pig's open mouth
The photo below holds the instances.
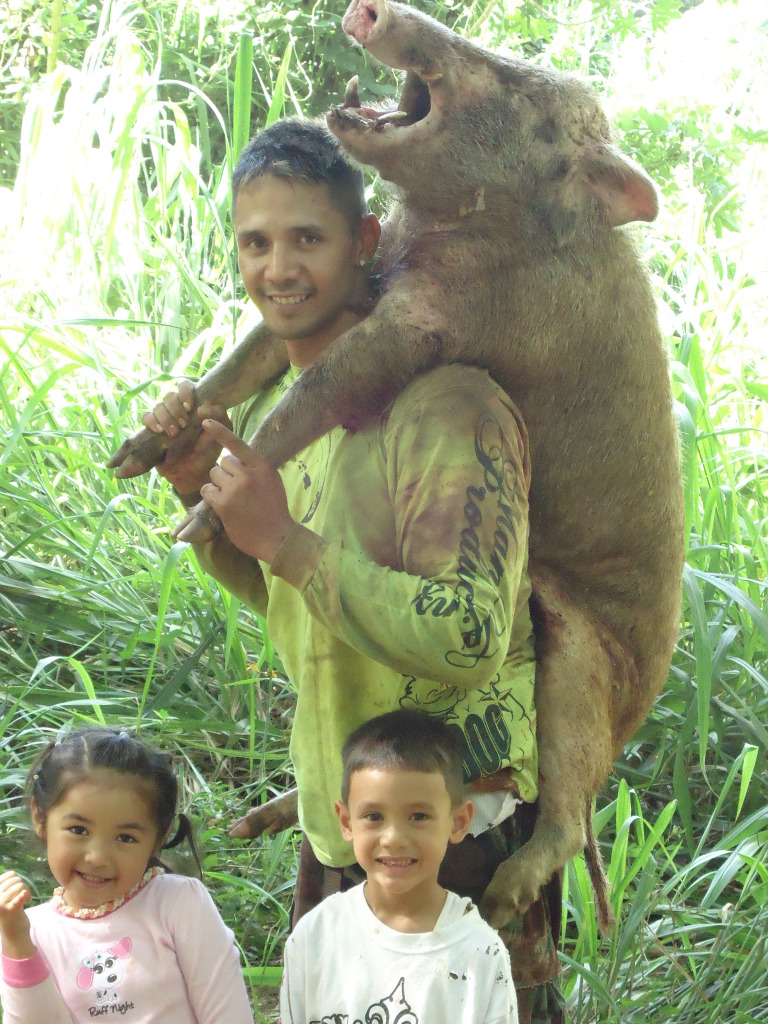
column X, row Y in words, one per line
column 415, row 104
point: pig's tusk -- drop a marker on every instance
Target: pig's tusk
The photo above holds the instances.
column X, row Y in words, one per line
column 351, row 97
column 392, row 115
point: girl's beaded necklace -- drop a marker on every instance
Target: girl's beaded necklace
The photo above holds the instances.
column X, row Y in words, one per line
column 87, row 913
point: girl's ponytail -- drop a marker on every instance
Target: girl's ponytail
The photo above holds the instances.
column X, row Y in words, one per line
column 183, row 832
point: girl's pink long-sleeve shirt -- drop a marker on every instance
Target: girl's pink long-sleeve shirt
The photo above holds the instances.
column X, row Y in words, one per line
column 165, row 955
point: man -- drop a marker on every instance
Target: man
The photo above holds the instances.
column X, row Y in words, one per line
column 390, row 563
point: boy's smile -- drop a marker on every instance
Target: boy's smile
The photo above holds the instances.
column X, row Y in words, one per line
column 300, row 262
column 400, row 823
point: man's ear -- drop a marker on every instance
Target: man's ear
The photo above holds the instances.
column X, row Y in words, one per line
column 462, row 819
column 342, row 812
column 37, row 818
column 369, row 234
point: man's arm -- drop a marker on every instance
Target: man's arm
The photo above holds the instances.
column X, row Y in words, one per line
column 457, row 475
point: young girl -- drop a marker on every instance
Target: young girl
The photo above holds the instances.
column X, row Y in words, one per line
column 121, row 936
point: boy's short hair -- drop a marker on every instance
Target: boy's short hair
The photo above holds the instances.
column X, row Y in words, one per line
column 307, row 150
column 406, row 740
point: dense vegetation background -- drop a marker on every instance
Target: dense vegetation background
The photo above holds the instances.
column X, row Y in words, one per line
column 118, row 126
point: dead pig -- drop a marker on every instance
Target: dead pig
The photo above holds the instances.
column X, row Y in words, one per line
column 512, row 255
column 506, row 249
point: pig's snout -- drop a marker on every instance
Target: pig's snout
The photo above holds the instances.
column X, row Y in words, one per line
column 365, row 20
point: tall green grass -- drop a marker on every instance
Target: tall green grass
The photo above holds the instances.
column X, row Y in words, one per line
column 116, row 264
column 117, row 274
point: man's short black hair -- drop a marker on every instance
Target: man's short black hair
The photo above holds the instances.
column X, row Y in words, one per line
column 307, row 150
column 409, row 741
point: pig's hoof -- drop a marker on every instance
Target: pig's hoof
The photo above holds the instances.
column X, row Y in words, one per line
column 270, row 818
column 518, row 881
column 200, row 526
column 129, row 466
column 146, row 449
column 138, row 454
column 508, row 895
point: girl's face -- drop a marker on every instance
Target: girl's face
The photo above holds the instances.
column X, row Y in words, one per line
column 99, row 837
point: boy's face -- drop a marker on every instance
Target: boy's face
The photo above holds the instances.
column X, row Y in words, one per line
column 299, row 262
column 400, row 823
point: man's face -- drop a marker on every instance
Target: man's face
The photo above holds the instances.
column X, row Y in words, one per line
column 299, row 262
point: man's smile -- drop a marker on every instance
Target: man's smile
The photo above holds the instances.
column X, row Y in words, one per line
column 288, row 300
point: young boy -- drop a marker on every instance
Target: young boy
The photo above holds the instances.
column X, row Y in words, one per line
column 399, row 946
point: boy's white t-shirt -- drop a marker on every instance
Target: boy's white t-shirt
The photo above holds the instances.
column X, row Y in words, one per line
column 342, row 963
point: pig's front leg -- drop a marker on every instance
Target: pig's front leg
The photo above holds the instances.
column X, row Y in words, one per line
column 350, row 384
column 252, row 364
column 361, row 374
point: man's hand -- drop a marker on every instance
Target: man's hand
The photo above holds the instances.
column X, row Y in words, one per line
column 172, row 412
column 247, row 494
column 189, row 470
column 14, row 923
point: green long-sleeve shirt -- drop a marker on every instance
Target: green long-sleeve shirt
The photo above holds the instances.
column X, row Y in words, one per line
column 404, row 585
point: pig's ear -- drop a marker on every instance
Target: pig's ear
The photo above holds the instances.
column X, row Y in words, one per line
column 624, row 189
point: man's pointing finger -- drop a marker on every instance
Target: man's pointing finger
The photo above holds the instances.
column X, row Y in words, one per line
column 229, row 440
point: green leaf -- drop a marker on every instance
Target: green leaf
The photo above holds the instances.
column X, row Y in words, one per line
column 242, row 95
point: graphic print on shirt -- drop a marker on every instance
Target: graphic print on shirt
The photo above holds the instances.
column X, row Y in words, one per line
column 313, row 489
column 484, row 720
column 392, row 1009
column 496, row 504
column 102, row 970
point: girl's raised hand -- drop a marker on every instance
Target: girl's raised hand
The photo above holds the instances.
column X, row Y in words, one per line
column 14, row 923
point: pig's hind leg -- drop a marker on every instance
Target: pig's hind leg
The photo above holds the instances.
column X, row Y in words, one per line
column 576, row 666
column 276, row 815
